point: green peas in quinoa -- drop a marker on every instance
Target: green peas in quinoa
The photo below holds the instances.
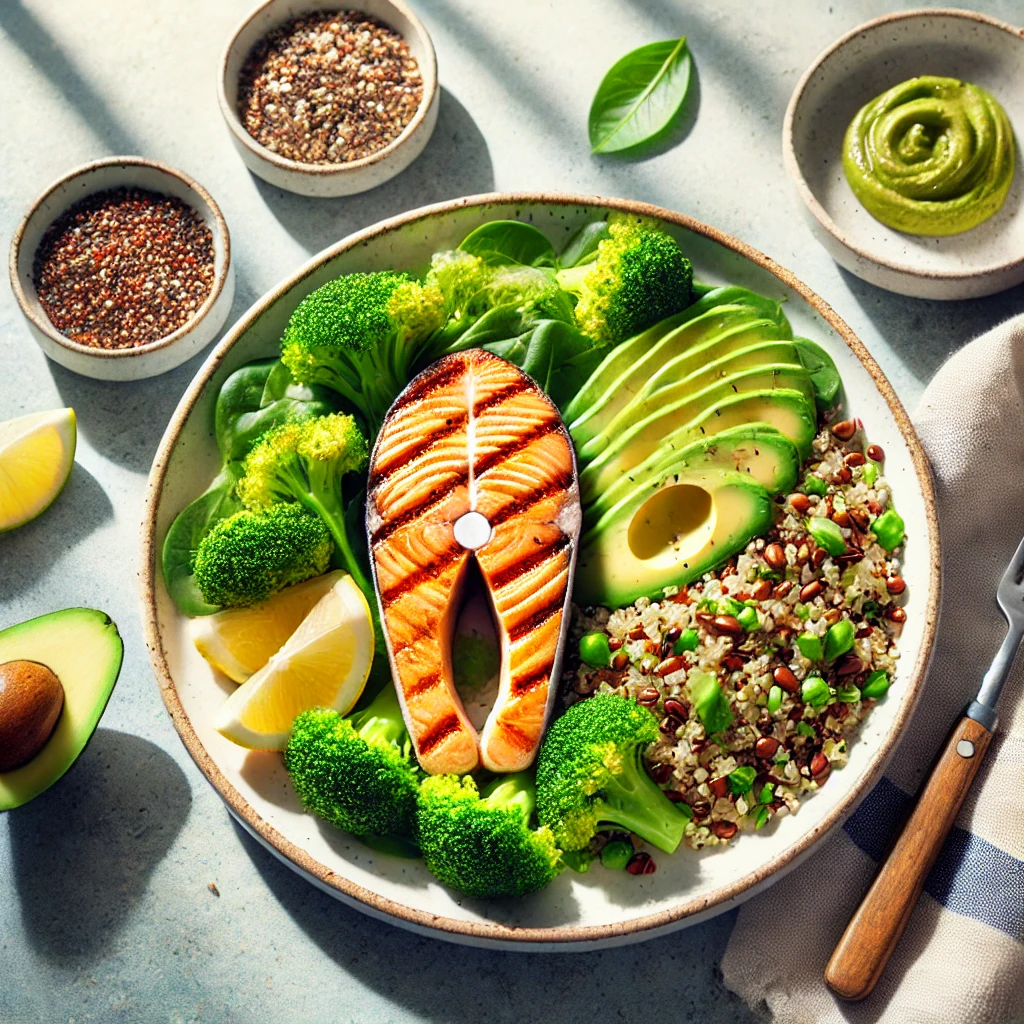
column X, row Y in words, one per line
column 748, row 619
column 815, row 691
column 805, row 730
column 741, row 779
column 847, row 693
column 616, row 854
column 594, row 649
column 889, row 529
column 826, row 535
column 688, row 641
column 810, row 646
column 869, row 473
column 839, row 639
column 774, row 699
column 877, row 686
column 813, row 484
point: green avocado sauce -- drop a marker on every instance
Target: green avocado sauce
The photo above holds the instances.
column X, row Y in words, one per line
column 930, row 156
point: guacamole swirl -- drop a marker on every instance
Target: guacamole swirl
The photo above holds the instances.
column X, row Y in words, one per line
column 931, row 156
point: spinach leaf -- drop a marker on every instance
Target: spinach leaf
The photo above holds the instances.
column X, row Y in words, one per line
column 640, row 96
column 582, row 247
column 510, row 241
column 823, row 373
column 258, row 396
column 193, row 523
column 555, row 354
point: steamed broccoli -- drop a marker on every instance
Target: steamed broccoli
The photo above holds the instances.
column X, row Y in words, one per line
column 638, row 278
column 482, row 843
column 358, row 772
column 360, row 335
column 251, row 555
column 590, row 776
column 306, row 462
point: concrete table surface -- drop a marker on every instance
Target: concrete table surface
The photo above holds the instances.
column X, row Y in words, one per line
column 106, row 910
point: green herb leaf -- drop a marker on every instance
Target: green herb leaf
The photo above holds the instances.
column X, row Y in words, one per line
column 640, row 96
column 741, row 779
column 582, row 247
column 711, row 704
column 510, row 241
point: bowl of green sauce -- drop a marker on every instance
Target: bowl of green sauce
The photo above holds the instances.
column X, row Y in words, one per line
column 903, row 142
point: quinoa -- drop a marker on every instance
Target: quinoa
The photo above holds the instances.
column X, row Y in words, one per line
column 798, row 590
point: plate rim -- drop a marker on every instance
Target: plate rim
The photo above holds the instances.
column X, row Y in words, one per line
column 488, row 932
column 816, row 208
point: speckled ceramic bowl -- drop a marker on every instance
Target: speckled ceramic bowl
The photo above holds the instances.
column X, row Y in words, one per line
column 576, row 911
column 329, row 180
column 156, row 356
column 864, row 63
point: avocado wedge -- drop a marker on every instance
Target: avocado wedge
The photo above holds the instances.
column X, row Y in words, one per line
column 82, row 648
column 778, row 360
column 621, row 369
column 755, row 450
column 669, row 534
column 786, row 409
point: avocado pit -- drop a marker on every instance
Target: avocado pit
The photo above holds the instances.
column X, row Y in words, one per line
column 31, row 700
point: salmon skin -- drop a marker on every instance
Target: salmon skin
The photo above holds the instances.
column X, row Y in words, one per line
column 474, row 434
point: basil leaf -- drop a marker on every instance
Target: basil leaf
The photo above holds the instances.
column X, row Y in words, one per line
column 582, row 247
column 190, row 526
column 640, row 96
column 510, row 241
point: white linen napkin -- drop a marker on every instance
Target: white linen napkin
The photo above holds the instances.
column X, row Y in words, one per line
column 961, row 958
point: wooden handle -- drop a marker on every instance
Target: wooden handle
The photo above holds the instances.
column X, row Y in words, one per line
column 872, row 934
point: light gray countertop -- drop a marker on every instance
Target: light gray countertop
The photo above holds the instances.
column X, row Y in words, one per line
column 105, row 910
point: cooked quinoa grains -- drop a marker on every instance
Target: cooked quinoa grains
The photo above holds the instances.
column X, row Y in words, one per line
column 789, row 646
column 329, row 88
column 124, row 267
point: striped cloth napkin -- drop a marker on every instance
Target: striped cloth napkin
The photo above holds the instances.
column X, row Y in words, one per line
column 961, row 958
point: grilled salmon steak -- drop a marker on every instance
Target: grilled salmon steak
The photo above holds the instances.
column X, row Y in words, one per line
column 473, row 461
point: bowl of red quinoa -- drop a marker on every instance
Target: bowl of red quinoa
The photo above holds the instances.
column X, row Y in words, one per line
column 326, row 101
column 123, row 269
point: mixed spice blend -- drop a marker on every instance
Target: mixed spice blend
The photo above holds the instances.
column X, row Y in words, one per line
column 329, row 88
column 124, row 267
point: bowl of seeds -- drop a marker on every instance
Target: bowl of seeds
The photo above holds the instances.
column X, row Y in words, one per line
column 329, row 101
column 123, row 269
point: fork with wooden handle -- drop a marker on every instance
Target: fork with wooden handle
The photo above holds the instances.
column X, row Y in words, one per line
column 872, row 934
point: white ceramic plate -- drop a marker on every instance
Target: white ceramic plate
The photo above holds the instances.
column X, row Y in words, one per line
column 577, row 911
column 864, row 63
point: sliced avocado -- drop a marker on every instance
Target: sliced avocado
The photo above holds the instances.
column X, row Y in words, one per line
column 756, row 450
column 720, row 330
column 605, row 378
column 778, row 360
column 668, row 535
column 825, row 377
column 82, row 648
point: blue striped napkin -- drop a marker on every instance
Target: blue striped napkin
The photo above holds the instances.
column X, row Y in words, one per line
column 961, row 958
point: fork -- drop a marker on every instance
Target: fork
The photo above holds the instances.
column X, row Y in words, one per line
column 876, row 927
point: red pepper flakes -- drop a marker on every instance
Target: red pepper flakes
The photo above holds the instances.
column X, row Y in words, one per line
column 124, row 267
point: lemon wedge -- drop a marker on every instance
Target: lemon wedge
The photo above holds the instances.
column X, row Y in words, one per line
column 324, row 663
column 36, row 455
column 239, row 641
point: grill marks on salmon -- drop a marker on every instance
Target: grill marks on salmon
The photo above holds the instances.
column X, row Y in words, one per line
column 474, row 433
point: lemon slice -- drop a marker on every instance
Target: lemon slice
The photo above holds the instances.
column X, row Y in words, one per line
column 36, row 455
column 324, row 663
column 239, row 641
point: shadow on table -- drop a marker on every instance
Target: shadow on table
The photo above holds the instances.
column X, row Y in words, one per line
column 438, row 981
column 455, row 163
column 32, row 550
column 83, row 851
column 925, row 332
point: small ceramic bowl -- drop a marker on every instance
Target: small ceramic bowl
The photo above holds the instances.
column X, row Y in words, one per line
column 330, row 180
column 156, row 356
column 864, row 63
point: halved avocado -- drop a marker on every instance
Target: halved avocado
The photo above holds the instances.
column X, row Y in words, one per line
column 717, row 331
column 669, row 387
column 787, row 410
column 669, row 535
column 755, row 450
column 81, row 646
column 609, row 376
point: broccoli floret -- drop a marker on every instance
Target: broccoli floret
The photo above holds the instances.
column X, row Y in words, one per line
column 482, row 843
column 360, row 335
column 358, row 772
column 251, row 555
column 638, row 278
column 590, row 776
column 306, row 463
